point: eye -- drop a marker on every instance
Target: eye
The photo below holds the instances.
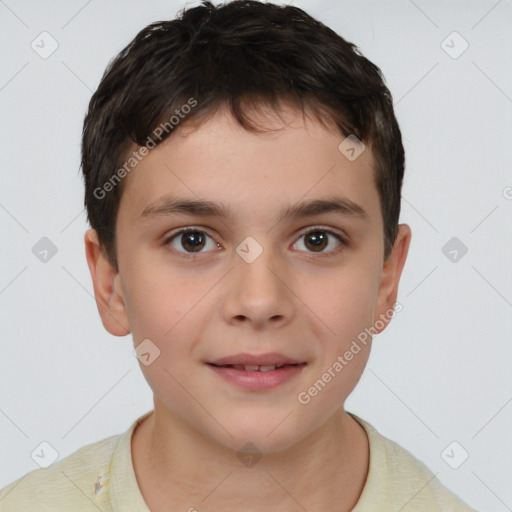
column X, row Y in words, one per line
column 316, row 239
column 191, row 241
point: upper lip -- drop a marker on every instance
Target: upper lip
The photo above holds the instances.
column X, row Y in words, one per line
column 273, row 358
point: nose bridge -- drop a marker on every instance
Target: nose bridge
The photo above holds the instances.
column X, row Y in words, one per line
column 257, row 291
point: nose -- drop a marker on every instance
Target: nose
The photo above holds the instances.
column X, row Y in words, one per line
column 258, row 293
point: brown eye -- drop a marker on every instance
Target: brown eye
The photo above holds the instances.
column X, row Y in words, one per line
column 190, row 241
column 316, row 240
column 193, row 241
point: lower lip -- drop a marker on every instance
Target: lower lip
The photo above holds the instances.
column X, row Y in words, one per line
column 257, row 380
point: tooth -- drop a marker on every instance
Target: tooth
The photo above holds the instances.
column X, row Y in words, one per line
column 249, row 368
column 267, row 368
column 238, row 367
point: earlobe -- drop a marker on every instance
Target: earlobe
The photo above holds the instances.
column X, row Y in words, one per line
column 390, row 278
column 107, row 287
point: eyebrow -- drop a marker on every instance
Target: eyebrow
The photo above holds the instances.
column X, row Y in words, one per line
column 174, row 205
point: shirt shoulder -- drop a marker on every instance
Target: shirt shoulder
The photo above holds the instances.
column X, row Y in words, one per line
column 76, row 482
column 398, row 481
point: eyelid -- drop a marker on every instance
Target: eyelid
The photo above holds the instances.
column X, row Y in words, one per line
column 341, row 234
column 184, row 229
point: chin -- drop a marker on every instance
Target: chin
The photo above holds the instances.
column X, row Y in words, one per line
column 267, row 434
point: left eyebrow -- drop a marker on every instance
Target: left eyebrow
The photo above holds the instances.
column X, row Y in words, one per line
column 340, row 205
column 174, row 205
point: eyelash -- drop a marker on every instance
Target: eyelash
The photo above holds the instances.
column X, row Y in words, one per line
column 312, row 229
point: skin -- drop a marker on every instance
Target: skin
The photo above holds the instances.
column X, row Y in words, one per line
column 291, row 299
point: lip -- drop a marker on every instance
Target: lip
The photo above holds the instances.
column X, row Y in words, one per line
column 268, row 359
column 257, row 380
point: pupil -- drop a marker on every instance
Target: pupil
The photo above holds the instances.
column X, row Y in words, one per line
column 318, row 239
column 196, row 239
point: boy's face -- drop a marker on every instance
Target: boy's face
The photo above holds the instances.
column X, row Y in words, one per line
column 251, row 282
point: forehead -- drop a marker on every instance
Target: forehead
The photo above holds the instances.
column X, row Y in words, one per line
column 251, row 174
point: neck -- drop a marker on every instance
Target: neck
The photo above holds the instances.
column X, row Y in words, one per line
column 178, row 468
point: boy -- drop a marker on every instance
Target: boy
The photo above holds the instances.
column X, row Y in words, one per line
column 243, row 168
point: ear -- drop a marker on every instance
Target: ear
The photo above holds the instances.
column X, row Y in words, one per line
column 107, row 287
column 390, row 277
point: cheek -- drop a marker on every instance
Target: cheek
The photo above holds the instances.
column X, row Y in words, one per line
column 158, row 302
column 170, row 311
column 343, row 303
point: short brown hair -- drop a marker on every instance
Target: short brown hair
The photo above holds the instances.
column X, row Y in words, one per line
column 241, row 54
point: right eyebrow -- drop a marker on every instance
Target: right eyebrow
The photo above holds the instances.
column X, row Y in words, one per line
column 174, row 205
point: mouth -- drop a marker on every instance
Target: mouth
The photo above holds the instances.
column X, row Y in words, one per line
column 255, row 368
column 260, row 360
column 257, row 373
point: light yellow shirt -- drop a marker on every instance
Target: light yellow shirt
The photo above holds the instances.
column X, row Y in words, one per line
column 100, row 476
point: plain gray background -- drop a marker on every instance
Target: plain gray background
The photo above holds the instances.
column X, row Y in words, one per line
column 440, row 373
